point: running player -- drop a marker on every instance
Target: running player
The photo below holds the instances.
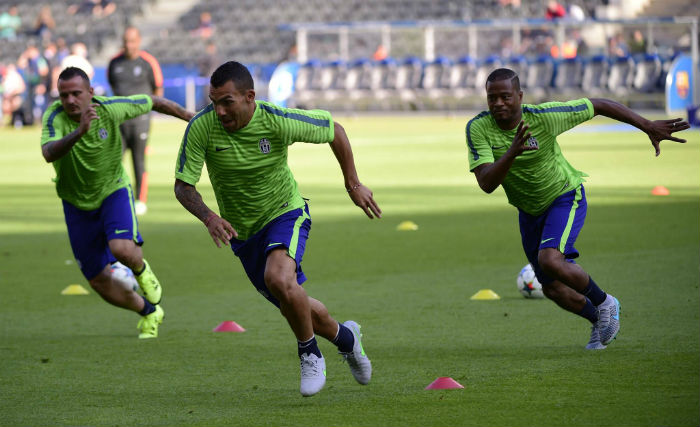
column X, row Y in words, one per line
column 515, row 146
column 244, row 144
column 134, row 71
column 80, row 136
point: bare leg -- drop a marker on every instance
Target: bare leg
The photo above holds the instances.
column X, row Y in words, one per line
column 128, row 253
column 324, row 325
column 281, row 280
column 570, row 280
column 115, row 294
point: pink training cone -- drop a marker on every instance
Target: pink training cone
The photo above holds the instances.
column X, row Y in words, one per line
column 443, row 383
column 229, row 326
column 660, row 190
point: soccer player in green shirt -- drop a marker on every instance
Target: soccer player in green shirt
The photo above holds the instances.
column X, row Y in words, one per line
column 514, row 145
column 263, row 217
column 81, row 138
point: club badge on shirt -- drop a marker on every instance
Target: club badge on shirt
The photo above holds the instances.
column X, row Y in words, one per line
column 532, row 142
column 102, row 133
column 264, row 146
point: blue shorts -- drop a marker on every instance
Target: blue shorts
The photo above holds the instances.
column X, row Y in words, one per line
column 90, row 231
column 289, row 230
column 558, row 227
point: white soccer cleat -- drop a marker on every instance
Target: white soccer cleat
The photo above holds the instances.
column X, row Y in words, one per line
column 608, row 323
column 359, row 363
column 594, row 343
column 313, row 374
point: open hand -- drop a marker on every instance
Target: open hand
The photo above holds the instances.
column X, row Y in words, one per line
column 659, row 130
column 362, row 196
column 220, row 230
column 519, row 142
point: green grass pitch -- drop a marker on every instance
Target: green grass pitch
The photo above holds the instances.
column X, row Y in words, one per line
column 74, row 360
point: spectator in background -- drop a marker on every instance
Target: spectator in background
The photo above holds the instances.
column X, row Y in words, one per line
column 576, row 13
column 131, row 72
column 380, row 53
column 554, row 11
column 13, row 93
column 78, row 59
column 98, row 8
column 617, row 46
column 44, row 24
column 207, row 65
column 62, row 50
column 512, row 6
column 51, row 55
column 206, row 26
column 35, row 70
column 10, row 23
column 638, row 44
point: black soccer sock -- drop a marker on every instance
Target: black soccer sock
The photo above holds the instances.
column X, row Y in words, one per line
column 594, row 293
column 345, row 339
column 309, row 347
column 148, row 308
column 589, row 312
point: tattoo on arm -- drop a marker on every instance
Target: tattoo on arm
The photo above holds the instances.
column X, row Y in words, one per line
column 54, row 150
column 190, row 199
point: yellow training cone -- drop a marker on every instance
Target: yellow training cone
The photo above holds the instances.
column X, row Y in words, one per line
column 485, row 294
column 407, row 226
column 74, row 290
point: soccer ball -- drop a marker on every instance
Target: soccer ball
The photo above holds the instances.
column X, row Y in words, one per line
column 528, row 284
column 123, row 276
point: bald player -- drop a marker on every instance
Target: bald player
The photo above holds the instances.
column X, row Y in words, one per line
column 131, row 72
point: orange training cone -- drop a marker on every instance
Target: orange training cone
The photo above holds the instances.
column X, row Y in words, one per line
column 660, row 190
column 229, row 326
column 443, row 383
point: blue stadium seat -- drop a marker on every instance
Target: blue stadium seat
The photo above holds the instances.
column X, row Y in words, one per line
column 595, row 75
column 568, row 75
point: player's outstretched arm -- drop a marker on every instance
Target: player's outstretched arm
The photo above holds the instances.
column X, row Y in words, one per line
column 220, row 230
column 360, row 195
column 657, row 130
column 491, row 175
column 171, row 108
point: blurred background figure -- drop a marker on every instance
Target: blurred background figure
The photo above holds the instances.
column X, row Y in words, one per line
column 638, row 44
column 13, row 93
column 554, row 11
column 98, row 8
column 10, row 23
column 44, row 24
column 35, row 70
column 134, row 71
column 78, row 58
column 206, row 27
column 206, row 65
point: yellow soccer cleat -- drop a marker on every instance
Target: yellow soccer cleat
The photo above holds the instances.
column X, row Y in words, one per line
column 149, row 284
column 149, row 323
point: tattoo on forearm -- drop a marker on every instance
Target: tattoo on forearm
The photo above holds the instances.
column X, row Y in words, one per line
column 189, row 197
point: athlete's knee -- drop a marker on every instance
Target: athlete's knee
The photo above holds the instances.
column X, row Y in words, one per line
column 282, row 286
column 551, row 261
column 127, row 252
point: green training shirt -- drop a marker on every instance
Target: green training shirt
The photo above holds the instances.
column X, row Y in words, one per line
column 536, row 177
column 248, row 168
column 92, row 169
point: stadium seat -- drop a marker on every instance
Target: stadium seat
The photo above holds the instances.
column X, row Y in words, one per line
column 621, row 75
column 568, row 76
column 539, row 78
column 647, row 73
column 595, row 75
